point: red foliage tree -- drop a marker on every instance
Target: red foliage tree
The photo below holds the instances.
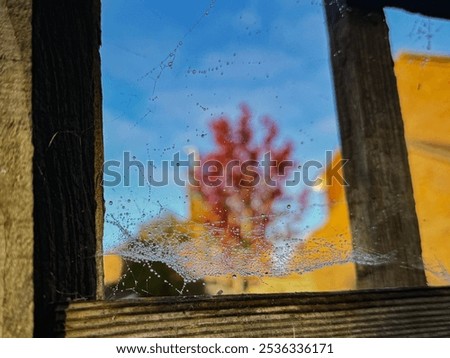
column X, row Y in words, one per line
column 242, row 202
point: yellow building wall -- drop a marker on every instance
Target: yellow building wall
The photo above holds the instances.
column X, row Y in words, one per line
column 424, row 87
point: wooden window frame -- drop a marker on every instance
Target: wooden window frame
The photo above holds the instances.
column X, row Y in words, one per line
column 54, row 46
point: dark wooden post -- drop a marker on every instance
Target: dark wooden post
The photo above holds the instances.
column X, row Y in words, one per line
column 66, row 120
column 380, row 195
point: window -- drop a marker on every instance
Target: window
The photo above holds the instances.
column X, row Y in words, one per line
column 174, row 77
column 170, row 74
column 51, row 88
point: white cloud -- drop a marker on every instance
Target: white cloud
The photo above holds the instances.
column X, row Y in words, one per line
column 121, row 134
column 326, row 125
column 248, row 18
column 306, row 34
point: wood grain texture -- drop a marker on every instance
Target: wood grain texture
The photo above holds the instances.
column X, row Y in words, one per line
column 380, row 195
column 98, row 150
column 16, row 176
column 383, row 313
column 65, row 126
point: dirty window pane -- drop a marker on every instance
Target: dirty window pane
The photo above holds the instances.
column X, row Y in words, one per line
column 223, row 171
column 219, row 82
column 422, row 65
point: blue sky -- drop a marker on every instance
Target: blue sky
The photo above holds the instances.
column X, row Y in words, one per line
column 169, row 67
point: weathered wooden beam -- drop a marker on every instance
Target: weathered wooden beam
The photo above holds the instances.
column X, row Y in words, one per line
column 16, row 177
column 434, row 8
column 98, row 151
column 66, row 120
column 384, row 313
column 380, row 195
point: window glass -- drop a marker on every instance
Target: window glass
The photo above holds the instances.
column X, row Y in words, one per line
column 223, row 173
